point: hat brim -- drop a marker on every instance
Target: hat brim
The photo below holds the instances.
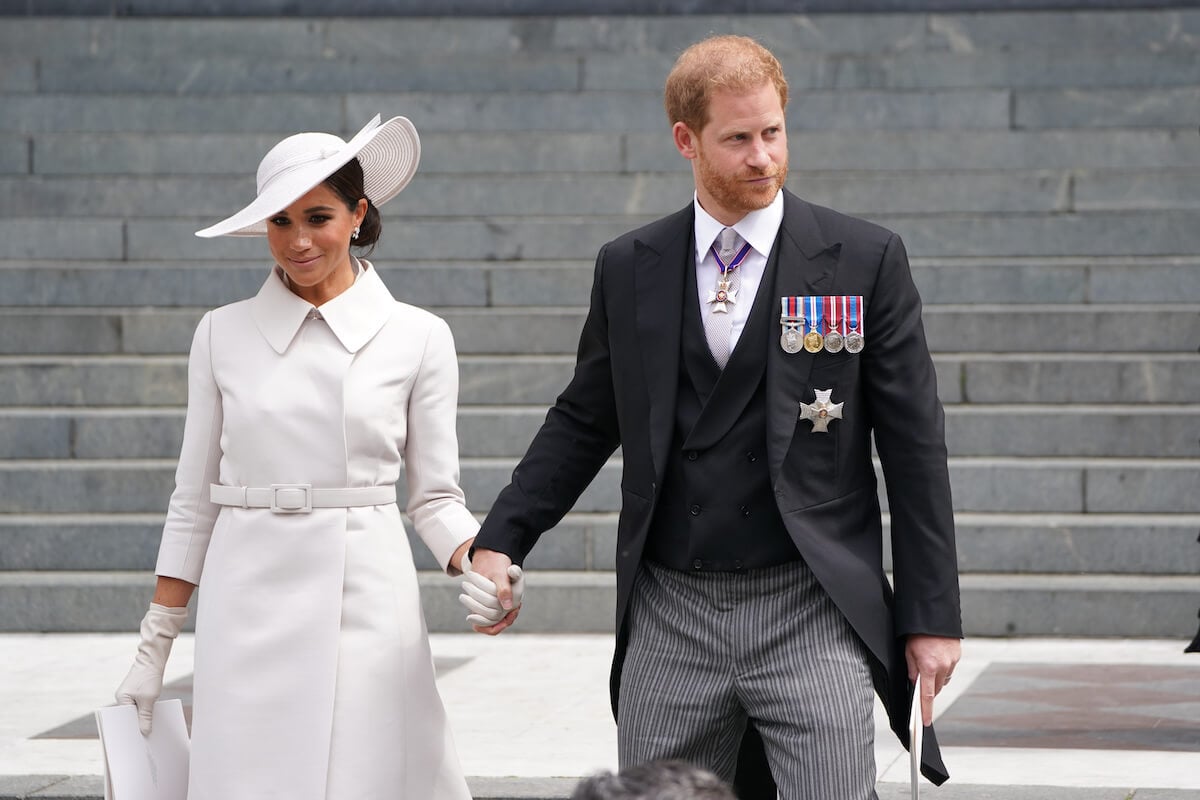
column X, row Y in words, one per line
column 389, row 154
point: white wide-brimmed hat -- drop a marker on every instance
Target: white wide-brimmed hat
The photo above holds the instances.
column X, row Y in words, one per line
column 388, row 152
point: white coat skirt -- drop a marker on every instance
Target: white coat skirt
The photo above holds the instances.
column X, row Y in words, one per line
column 313, row 674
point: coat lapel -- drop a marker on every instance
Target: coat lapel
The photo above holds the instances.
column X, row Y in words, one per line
column 277, row 312
column 354, row 316
column 358, row 313
column 659, row 269
column 807, row 264
column 742, row 376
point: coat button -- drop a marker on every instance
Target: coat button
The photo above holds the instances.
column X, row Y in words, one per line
column 695, row 509
column 697, row 564
column 692, row 455
column 751, row 457
column 737, row 564
column 745, row 510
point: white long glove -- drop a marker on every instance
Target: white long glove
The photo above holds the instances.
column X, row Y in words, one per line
column 143, row 684
column 479, row 595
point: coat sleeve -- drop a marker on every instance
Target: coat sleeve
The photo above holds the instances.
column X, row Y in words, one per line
column 190, row 514
column 580, row 432
column 436, row 504
column 910, row 437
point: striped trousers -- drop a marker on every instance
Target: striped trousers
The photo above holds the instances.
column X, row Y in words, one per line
column 710, row 652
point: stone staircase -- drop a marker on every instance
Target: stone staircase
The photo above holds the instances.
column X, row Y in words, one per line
column 1043, row 169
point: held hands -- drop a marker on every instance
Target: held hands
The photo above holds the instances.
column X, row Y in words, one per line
column 493, row 588
column 934, row 659
column 143, row 684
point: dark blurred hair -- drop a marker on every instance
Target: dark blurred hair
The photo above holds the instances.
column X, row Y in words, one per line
column 657, row 780
column 347, row 183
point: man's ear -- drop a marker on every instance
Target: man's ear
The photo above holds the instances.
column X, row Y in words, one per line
column 685, row 140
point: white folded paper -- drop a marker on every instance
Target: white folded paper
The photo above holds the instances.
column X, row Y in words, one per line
column 915, row 730
column 137, row 767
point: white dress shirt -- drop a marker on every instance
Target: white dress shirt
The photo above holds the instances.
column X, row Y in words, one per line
column 759, row 228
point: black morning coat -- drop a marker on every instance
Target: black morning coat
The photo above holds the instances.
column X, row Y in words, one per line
column 623, row 394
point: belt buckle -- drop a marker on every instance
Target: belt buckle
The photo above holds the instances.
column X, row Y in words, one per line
column 291, row 498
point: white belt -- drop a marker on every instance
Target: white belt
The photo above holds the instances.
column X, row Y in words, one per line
column 299, row 498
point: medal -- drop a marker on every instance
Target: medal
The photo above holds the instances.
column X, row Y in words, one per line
column 813, row 340
column 724, row 293
column 791, row 322
column 822, row 411
column 833, row 337
column 854, row 321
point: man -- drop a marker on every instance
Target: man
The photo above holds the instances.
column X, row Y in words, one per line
column 750, row 587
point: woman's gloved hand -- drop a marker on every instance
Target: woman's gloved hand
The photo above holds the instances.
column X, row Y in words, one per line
column 143, row 684
column 479, row 595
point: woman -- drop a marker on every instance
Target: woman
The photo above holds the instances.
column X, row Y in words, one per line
column 313, row 674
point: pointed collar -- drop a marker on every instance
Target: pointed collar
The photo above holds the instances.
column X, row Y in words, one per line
column 354, row 316
column 759, row 228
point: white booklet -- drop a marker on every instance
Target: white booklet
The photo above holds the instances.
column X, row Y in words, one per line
column 915, row 731
column 137, row 767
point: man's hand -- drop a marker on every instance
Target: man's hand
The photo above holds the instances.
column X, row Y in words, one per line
column 934, row 659
column 494, row 566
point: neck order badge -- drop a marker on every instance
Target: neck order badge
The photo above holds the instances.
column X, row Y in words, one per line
column 727, row 262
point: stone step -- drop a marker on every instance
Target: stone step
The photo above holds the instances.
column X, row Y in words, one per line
column 237, row 155
column 1054, row 329
column 1037, row 430
column 557, row 194
column 584, row 602
column 1105, row 108
column 612, row 111
column 975, row 378
column 380, row 38
column 91, row 787
column 1097, row 279
column 1131, row 544
column 595, row 111
column 530, row 152
column 1003, row 484
column 200, row 72
column 1068, row 378
column 1098, row 233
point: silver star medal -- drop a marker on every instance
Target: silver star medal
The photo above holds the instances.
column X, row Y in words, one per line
column 822, row 412
column 722, row 295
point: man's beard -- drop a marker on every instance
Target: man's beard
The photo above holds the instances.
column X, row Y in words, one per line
column 732, row 193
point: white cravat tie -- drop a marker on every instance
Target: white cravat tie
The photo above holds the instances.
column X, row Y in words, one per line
column 718, row 325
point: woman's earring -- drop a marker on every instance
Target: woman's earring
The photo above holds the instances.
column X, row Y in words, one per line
column 354, row 235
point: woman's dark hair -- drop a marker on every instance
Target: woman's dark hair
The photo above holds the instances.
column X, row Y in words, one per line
column 347, row 183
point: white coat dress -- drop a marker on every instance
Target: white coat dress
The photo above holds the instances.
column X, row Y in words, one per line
column 313, row 674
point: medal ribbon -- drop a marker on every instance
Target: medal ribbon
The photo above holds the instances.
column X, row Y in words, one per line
column 855, row 320
column 789, row 307
column 734, row 262
column 816, row 313
column 831, row 312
